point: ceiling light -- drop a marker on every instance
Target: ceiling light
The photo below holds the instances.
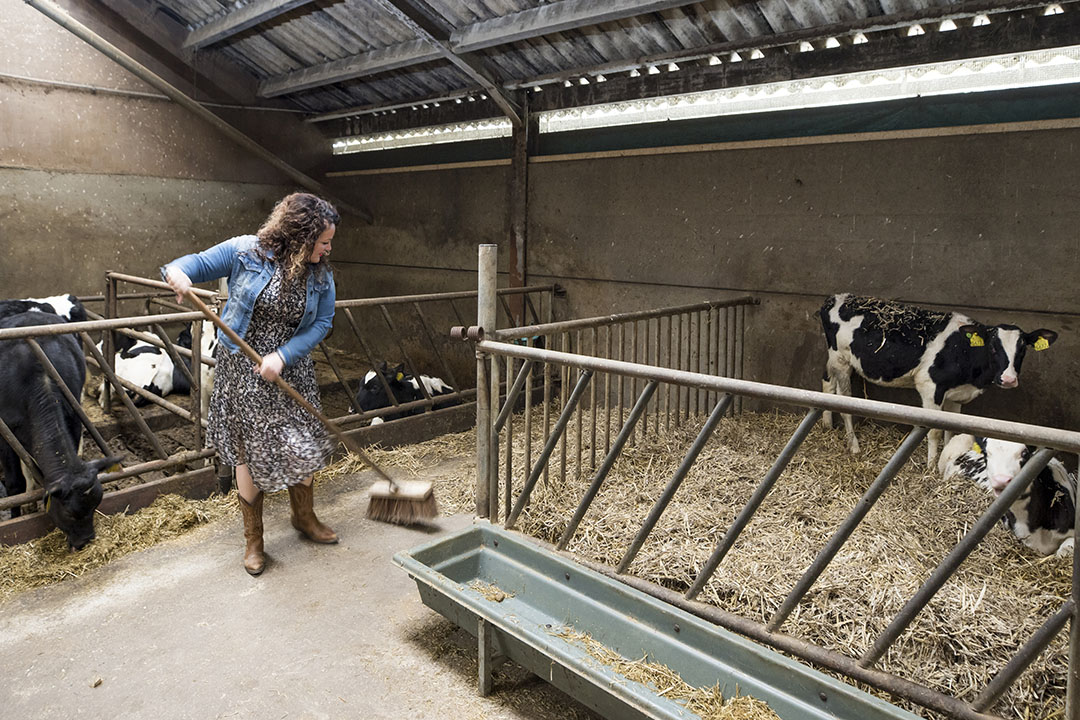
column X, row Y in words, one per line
column 735, row 57
column 635, row 73
column 805, row 47
column 756, row 54
column 583, row 80
column 672, row 67
column 832, row 43
column 980, row 20
column 653, row 70
column 859, row 39
column 946, row 26
column 1053, row 10
column 915, row 30
column 567, row 83
column 713, row 60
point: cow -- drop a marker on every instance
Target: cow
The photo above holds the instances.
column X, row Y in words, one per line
column 67, row 307
column 948, row 358
column 34, row 409
column 406, row 388
column 144, row 365
column 1042, row 516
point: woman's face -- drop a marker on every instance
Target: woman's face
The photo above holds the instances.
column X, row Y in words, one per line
column 322, row 245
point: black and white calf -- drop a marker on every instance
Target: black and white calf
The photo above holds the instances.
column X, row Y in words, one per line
column 1042, row 516
column 34, row 408
column 208, row 344
column 406, row 388
column 67, row 307
column 947, row 357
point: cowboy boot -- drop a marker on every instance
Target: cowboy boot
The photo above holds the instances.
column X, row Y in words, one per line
column 254, row 559
column 303, row 515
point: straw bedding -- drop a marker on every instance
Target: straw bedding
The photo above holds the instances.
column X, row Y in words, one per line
column 997, row 599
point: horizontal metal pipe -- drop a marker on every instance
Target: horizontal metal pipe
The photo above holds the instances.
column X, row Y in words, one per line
column 563, row 326
column 891, row 412
column 1024, row 657
column 155, row 341
column 137, row 280
column 124, row 296
column 431, row 297
column 957, row 555
column 94, row 325
column 106, row 478
column 435, row 402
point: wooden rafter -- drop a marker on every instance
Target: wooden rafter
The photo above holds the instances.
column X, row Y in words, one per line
column 239, row 20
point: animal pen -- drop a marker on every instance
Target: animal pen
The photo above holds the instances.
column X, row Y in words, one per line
column 690, row 352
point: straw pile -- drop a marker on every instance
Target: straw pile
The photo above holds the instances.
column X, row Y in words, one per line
column 997, row 599
column 47, row 560
column 706, row 703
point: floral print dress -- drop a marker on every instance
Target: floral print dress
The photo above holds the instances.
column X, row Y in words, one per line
column 253, row 421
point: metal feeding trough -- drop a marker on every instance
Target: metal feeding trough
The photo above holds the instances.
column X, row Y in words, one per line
column 520, row 600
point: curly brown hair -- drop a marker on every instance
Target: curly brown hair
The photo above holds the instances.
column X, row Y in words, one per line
column 290, row 232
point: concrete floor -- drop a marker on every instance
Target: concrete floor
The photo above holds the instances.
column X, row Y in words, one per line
column 181, row 631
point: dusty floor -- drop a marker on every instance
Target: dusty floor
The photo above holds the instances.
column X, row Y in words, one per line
column 181, row 631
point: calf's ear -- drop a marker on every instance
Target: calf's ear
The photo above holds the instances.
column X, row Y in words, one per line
column 974, row 335
column 1040, row 339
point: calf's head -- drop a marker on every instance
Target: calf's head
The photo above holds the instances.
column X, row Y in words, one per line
column 1003, row 460
column 1007, row 345
column 70, row 501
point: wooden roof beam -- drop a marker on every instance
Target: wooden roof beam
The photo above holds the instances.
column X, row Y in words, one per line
column 368, row 63
column 556, row 17
column 428, row 29
column 237, row 21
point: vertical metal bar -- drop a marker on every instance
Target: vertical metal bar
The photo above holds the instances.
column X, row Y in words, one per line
column 580, row 412
column 1024, row 657
column 511, row 400
column 633, row 380
column 528, row 409
column 740, row 349
column 485, row 314
column 710, row 348
column 196, row 385
column 493, row 463
column 435, row 347
column 721, row 339
column 564, row 374
column 731, row 343
column 659, row 363
column 170, row 350
column 609, row 460
column 72, row 401
column 132, row 411
column 107, row 347
column 676, row 480
column 607, row 394
column 957, row 555
column 622, row 355
column 592, row 405
column 865, row 504
column 547, row 401
column 549, row 446
column 532, row 308
column 646, row 342
column 699, row 400
column 485, row 657
column 667, row 386
column 754, row 502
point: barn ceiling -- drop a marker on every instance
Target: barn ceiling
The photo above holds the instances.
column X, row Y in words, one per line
column 360, row 65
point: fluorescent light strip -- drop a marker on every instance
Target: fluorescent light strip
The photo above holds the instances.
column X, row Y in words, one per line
column 456, row 132
column 1032, row 69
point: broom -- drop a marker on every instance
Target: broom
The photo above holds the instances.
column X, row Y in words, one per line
column 400, row 502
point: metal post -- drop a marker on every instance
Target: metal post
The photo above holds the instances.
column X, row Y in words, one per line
column 196, row 383
column 508, row 410
column 609, row 460
column 740, row 349
column 866, row 502
column 673, row 484
column 107, row 347
column 754, row 502
column 1072, row 694
column 592, row 405
column 485, row 315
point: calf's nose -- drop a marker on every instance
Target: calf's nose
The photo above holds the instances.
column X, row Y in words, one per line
column 1009, row 380
column 999, row 483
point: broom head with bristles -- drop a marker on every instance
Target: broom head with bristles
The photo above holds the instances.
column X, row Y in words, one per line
column 402, row 503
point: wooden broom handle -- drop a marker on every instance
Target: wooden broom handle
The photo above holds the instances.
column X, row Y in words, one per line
column 289, row 389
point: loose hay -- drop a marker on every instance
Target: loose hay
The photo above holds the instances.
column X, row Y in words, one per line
column 490, row 592
column 706, row 703
column 47, row 560
column 990, row 607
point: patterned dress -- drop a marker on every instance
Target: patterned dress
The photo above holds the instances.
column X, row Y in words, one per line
column 251, row 420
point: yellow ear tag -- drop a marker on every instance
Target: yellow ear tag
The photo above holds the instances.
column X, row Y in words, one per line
column 975, row 447
column 400, row 377
column 976, row 340
column 48, row 502
column 115, row 467
column 1041, row 344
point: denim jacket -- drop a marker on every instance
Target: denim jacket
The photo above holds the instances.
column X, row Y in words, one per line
column 248, row 274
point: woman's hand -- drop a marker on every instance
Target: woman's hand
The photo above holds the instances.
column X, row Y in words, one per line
column 271, row 367
column 178, row 281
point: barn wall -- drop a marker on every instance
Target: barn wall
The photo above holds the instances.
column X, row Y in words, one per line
column 981, row 223
column 91, row 182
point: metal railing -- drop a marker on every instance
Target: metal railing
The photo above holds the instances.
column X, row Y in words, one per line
column 722, row 393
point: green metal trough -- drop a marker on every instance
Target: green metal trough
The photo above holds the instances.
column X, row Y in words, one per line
column 546, row 592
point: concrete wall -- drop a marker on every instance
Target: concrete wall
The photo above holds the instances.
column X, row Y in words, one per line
column 91, row 182
column 980, row 223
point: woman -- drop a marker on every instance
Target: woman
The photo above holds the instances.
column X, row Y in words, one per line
column 281, row 301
